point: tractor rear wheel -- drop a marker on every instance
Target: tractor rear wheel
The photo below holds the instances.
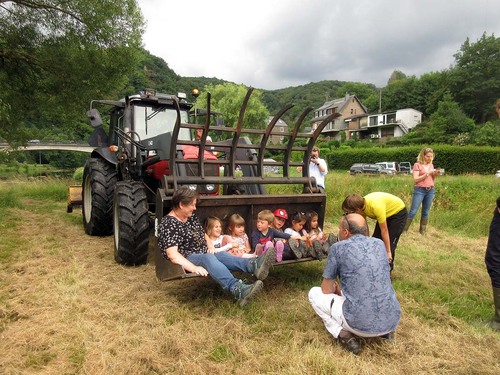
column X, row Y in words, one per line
column 99, row 180
column 130, row 223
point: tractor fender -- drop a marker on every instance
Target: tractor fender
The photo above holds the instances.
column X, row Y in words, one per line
column 106, row 154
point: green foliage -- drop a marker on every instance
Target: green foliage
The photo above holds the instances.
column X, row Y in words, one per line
column 448, row 124
column 462, row 205
column 311, row 95
column 57, row 56
column 454, row 159
column 363, row 91
column 396, row 76
column 487, row 134
column 476, row 76
column 78, row 174
column 228, row 99
column 449, row 120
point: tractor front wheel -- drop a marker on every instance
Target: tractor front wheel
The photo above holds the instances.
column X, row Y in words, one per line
column 99, row 180
column 130, row 223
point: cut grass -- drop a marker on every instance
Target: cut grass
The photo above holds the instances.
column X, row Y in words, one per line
column 67, row 307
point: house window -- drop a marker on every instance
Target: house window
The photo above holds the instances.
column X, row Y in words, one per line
column 373, row 121
column 391, row 118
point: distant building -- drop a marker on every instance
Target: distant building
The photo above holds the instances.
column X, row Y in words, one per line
column 277, row 135
column 391, row 124
column 355, row 121
column 351, row 111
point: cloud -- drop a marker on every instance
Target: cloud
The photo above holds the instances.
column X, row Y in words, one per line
column 292, row 42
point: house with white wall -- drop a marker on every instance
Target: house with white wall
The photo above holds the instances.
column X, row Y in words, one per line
column 393, row 124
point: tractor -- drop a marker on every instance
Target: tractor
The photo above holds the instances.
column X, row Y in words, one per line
column 151, row 149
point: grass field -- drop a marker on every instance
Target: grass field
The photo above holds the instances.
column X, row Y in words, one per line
column 67, row 308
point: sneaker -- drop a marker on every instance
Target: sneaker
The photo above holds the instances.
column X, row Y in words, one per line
column 244, row 293
column 349, row 341
column 317, row 250
column 296, row 248
column 260, row 265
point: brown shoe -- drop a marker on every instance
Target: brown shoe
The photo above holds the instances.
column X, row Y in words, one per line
column 349, row 341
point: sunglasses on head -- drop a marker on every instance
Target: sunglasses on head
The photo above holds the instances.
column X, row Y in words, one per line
column 346, row 214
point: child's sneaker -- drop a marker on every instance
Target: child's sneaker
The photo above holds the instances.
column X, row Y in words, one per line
column 279, row 247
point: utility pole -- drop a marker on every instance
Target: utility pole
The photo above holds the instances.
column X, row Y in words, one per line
column 380, row 101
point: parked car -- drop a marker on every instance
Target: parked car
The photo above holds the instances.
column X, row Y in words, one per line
column 497, row 175
column 405, row 167
column 392, row 165
column 367, row 168
column 274, row 169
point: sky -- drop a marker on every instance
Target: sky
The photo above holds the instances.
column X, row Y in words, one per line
column 273, row 44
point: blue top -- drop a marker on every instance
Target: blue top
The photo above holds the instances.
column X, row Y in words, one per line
column 361, row 263
column 259, row 238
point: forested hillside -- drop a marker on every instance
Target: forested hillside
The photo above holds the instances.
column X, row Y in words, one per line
column 56, row 57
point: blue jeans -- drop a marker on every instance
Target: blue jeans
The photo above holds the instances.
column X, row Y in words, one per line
column 424, row 197
column 219, row 266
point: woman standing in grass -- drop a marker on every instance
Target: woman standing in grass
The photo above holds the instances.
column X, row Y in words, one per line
column 423, row 191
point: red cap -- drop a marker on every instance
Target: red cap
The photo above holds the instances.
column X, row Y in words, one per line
column 281, row 213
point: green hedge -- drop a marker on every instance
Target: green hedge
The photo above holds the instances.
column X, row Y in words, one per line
column 454, row 159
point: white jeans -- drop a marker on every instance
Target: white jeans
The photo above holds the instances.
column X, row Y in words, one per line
column 332, row 315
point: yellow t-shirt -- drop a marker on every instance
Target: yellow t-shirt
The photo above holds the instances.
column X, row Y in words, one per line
column 380, row 206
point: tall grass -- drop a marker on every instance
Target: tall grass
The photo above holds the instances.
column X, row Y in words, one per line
column 462, row 204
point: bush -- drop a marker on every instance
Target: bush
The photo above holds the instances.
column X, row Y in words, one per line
column 78, row 174
column 454, row 159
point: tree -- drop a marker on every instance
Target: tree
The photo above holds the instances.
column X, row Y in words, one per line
column 476, row 77
column 227, row 98
column 449, row 121
column 396, row 76
column 57, row 55
column 488, row 134
column 398, row 94
column 362, row 90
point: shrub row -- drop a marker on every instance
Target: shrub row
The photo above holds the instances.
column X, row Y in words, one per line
column 454, row 159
